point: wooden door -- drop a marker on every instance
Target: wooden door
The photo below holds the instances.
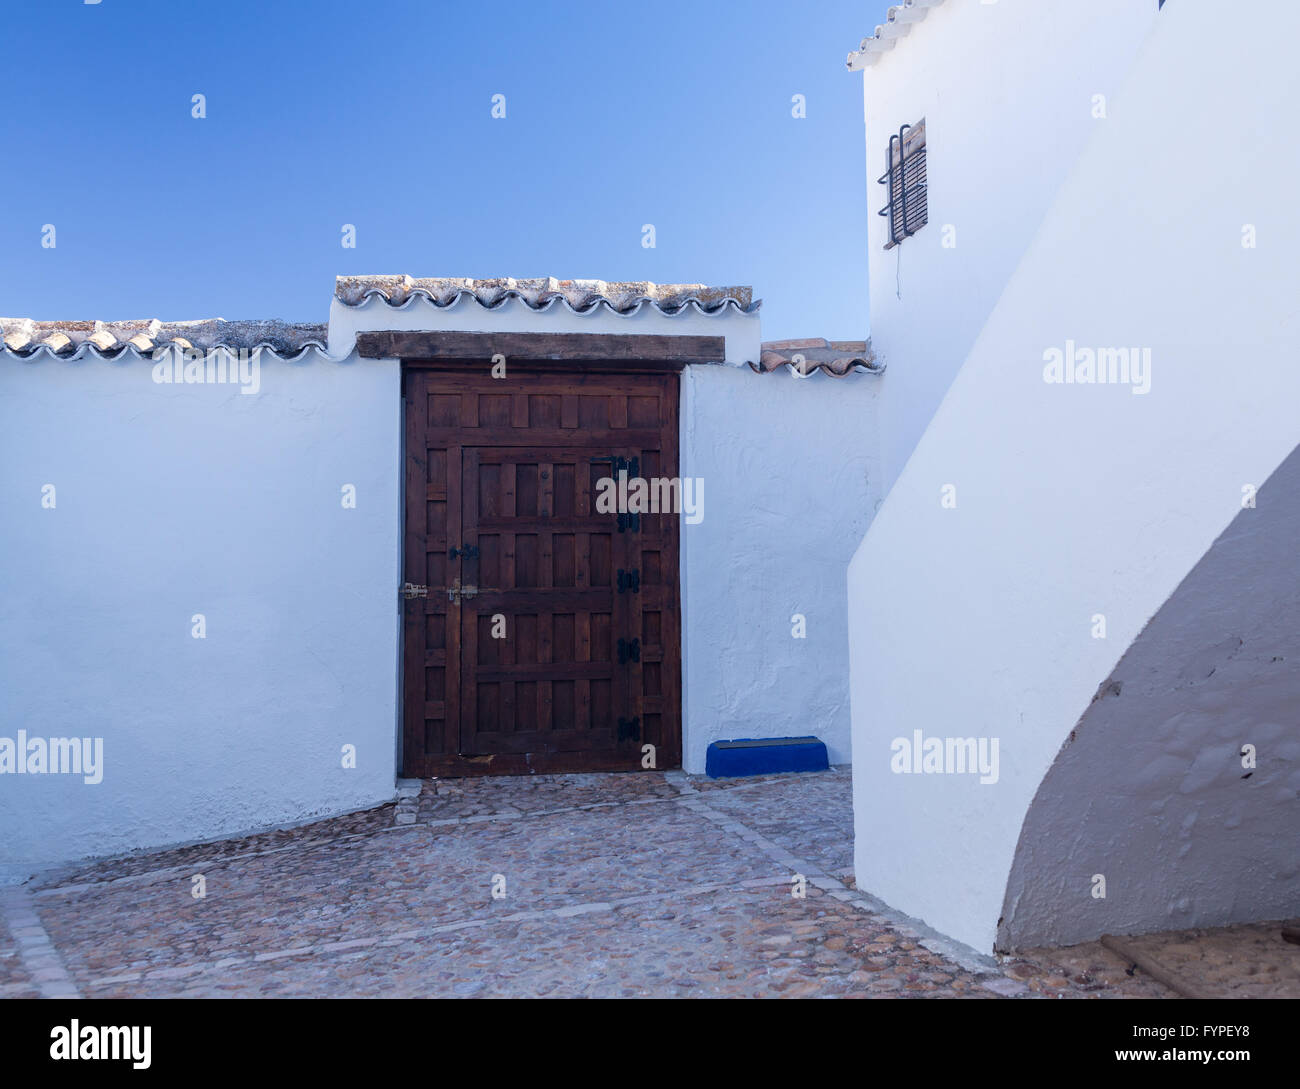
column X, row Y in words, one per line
column 565, row 654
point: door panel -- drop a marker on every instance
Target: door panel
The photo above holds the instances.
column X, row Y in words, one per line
column 430, row 628
column 546, row 613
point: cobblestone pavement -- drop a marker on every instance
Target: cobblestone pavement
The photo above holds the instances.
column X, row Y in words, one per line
column 654, row 885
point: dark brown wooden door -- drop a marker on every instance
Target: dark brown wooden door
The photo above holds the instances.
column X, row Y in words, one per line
column 540, row 658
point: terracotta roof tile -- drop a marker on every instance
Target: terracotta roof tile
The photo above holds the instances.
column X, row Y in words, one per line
column 834, row 357
column 23, row 336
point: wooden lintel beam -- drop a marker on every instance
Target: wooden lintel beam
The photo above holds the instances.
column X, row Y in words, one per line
column 541, row 347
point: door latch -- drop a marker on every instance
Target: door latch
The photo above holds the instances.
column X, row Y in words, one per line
column 456, row 593
column 410, row 590
column 469, row 552
column 629, row 650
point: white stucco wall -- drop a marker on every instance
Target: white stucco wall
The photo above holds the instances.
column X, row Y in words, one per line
column 791, row 481
column 1006, row 91
column 176, row 500
column 1079, row 500
column 740, row 329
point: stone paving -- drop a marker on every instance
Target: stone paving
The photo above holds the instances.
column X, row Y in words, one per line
column 632, row 885
column 1251, row 960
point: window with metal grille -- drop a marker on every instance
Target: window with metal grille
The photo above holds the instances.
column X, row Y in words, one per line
column 907, row 210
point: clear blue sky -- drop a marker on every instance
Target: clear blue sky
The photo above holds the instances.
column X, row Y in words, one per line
column 325, row 112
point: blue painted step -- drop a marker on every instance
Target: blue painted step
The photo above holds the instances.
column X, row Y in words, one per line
column 764, row 756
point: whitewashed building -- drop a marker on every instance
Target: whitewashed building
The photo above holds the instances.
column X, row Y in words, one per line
column 1085, row 565
column 1066, row 462
column 261, row 587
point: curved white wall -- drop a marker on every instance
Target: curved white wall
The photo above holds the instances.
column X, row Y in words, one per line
column 1155, row 790
column 1079, row 500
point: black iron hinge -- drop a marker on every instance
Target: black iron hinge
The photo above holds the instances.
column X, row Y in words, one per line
column 629, row 729
column 629, row 650
column 631, row 466
column 629, row 581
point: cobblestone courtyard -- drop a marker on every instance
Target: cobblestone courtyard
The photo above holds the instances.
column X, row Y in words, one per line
column 650, row 885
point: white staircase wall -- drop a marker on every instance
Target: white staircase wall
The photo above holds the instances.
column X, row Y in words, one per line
column 1078, row 500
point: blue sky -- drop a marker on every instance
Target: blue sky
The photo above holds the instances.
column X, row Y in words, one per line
column 326, row 112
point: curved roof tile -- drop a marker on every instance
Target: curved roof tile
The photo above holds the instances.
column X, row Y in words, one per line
column 580, row 296
column 898, row 24
column 71, row 339
column 834, row 357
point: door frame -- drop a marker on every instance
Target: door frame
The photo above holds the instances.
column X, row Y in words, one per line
column 550, row 354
